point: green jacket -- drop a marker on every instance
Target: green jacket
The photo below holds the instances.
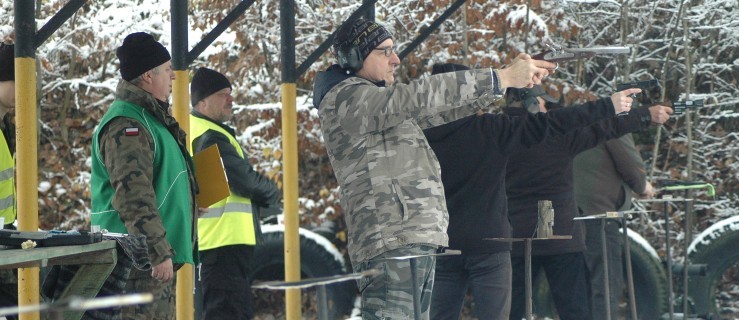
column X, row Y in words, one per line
column 141, row 179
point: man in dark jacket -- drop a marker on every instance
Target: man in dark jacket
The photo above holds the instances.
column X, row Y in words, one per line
column 390, row 180
column 605, row 178
column 142, row 180
column 544, row 172
column 473, row 152
column 228, row 232
column 8, row 277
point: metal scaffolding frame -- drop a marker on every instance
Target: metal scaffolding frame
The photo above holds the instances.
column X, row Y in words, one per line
column 27, row 39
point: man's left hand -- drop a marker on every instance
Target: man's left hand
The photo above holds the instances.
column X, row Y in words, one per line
column 622, row 100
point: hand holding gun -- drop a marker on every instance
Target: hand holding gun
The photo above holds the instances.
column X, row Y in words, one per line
column 623, row 99
column 650, row 91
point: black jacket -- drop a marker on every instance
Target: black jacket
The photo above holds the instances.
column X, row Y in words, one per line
column 242, row 179
column 544, row 172
column 473, row 152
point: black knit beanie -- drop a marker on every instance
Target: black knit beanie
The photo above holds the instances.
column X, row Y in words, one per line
column 206, row 82
column 363, row 34
column 7, row 62
column 140, row 53
column 447, row 67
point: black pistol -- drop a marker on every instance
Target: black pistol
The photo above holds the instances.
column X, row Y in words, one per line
column 14, row 238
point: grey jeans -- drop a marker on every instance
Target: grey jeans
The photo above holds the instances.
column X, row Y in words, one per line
column 389, row 295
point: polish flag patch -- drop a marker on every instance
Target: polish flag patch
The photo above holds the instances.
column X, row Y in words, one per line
column 133, row 131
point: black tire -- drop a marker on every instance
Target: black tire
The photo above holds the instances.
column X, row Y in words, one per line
column 716, row 247
column 650, row 285
column 650, row 280
column 315, row 261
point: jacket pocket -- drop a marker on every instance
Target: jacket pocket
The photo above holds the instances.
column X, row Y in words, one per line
column 400, row 199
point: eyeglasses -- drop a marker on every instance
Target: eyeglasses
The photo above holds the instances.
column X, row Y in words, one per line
column 387, row 50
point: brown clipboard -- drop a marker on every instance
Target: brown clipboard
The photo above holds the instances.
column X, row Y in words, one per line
column 211, row 177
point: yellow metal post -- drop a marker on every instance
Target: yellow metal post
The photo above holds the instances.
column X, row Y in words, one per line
column 290, row 191
column 181, row 100
column 180, row 110
column 27, row 173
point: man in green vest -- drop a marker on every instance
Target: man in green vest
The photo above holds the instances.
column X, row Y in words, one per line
column 142, row 181
column 8, row 277
column 228, row 232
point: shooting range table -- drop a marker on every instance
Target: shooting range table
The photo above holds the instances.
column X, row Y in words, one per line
column 320, row 283
column 323, row 281
column 96, row 261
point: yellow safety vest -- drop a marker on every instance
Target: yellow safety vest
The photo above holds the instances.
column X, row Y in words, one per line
column 7, row 183
column 229, row 221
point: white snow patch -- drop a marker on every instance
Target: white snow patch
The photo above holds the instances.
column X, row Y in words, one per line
column 638, row 239
column 44, row 186
column 714, row 232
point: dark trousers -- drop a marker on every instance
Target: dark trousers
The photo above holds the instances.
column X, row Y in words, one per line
column 9, row 284
column 568, row 282
column 487, row 275
column 9, row 290
column 226, row 287
column 594, row 259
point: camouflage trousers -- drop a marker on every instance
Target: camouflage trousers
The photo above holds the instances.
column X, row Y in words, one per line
column 389, row 295
column 163, row 306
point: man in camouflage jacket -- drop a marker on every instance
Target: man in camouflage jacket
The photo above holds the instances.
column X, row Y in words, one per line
column 390, row 180
column 142, row 180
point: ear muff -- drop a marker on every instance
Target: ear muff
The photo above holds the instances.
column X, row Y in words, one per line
column 527, row 100
column 531, row 104
column 350, row 58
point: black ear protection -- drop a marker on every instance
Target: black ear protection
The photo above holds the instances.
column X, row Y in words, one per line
column 527, row 100
column 532, row 104
column 348, row 54
column 350, row 58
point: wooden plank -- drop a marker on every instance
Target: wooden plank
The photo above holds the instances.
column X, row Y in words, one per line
column 43, row 256
column 96, row 262
column 87, row 282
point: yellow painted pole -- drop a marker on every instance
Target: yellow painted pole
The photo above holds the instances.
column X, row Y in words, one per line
column 27, row 173
column 180, row 110
column 290, row 198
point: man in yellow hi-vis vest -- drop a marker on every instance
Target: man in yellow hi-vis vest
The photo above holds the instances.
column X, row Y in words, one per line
column 227, row 233
column 8, row 278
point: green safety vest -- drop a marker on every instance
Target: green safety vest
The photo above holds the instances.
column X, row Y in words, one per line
column 231, row 220
column 7, row 184
column 171, row 184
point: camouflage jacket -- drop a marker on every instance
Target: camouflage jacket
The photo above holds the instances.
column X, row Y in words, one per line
column 390, row 179
column 130, row 162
